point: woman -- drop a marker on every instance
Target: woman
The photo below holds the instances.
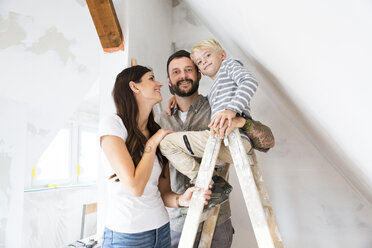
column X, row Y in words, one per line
column 138, row 174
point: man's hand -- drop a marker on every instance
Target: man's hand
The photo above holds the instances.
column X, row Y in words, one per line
column 171, row 103
column 221, row 117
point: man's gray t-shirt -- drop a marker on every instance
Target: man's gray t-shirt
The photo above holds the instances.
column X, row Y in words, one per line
column 198, row 118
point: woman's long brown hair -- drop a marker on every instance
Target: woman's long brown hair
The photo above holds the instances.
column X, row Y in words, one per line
column 127, row 110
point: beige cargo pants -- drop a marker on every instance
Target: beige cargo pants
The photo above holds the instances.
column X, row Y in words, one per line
column 174, row 148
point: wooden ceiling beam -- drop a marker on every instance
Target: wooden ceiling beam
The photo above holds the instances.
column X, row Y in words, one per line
column 107, row 24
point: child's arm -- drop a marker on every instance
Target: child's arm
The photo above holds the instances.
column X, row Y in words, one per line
column 247, row 86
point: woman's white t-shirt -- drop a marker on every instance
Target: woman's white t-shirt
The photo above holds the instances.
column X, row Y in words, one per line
column 127, row 213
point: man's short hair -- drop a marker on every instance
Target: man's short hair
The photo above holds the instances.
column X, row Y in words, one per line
column 178, row 54
column 206, row 44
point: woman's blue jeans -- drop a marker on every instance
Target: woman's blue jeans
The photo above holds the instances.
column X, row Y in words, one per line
column 156, row 238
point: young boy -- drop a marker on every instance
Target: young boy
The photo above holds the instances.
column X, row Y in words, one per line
column 230, row 95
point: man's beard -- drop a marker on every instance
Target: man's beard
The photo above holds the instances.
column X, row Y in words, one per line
column 175, row 90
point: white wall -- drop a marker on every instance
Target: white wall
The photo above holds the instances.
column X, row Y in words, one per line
column 314, row 203
column 318, row 55
column 49, row 62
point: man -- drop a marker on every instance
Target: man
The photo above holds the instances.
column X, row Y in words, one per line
column 193, row 113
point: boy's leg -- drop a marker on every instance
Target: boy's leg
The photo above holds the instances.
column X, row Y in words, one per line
column 175, row 148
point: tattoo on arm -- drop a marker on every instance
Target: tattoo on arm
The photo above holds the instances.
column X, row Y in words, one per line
column 261, row 136
column 147, row 149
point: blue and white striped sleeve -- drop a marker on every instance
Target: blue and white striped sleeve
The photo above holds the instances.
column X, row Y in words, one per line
column 246, row 87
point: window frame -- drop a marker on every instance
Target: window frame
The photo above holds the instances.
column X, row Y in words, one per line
column 81, row 128
column 81, row 121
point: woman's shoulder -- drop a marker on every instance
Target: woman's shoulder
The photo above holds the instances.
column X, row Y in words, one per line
column 112, row 124
column 110, row 118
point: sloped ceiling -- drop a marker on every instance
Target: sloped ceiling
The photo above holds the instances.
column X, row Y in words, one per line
column 315, row 58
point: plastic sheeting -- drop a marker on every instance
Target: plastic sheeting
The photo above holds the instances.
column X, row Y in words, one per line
column 53, row 218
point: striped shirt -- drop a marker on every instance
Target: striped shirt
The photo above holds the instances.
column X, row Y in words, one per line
column 232, row 88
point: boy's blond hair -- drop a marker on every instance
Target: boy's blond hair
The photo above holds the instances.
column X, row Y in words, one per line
column 206, row 44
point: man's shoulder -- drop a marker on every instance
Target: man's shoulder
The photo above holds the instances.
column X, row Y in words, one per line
column 201, row 102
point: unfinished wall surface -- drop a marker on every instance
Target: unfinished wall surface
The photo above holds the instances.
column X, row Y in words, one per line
column 315, row 204
column 49, row 62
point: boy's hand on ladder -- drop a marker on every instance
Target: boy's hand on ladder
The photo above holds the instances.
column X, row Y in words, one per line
column 225, row 130
column 221, row 117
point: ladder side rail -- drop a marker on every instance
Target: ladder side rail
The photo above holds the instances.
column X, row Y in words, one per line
column 270, row 217
column 194, row 213
column 210, row 224
column 208, row 229
column 250, row 192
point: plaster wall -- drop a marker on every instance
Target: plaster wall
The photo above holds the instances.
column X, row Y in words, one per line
column 314, row 203
column 49, row 62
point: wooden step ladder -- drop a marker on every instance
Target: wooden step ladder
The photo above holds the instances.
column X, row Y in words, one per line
column 254, row 192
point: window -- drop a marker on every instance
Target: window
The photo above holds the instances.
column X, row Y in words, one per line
column 54, row 165
column 88, row 155
column 71, row 158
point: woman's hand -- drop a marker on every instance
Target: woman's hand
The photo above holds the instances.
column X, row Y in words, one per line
column 157, row 137
column 171, row 103
column 185, row 199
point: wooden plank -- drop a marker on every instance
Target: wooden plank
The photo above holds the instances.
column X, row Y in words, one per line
column 250, row 192
column 208, row 229
column 194, row 213
column 90, row 208
column 273, row 226
column 133, row 62
column 210, row 224
column 107, row 24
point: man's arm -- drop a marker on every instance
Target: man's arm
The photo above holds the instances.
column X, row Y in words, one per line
column 261, row 136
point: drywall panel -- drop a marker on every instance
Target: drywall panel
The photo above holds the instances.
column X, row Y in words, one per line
column 317, row 56
column 315, row 204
